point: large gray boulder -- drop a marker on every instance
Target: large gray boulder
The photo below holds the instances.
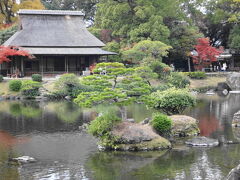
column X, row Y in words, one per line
column 233, row 81
column 236, row 119
column 234, row 174
column 183, row 126
column 138, row 137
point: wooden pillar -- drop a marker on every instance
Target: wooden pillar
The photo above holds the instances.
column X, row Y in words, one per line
column 41, row 64
column 66, row 64
column 22, row 66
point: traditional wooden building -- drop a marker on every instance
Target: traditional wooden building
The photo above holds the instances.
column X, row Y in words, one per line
column 59, row 40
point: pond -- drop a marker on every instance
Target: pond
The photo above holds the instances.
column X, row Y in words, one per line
column 51, row 133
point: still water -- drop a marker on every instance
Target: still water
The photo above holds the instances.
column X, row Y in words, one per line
column 49, row 132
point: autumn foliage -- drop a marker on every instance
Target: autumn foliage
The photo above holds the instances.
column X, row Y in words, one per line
column 206, row 54
column 7, row 52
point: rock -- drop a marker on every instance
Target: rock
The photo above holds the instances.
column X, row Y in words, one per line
column 146, row 121
column 233, row 81
column 68, row 98
column 223, row 86
column 225, row 92
column 183, row 126
column 234, row 174
column 202, row 142
column 236, row 119
column 130, row 120
column 138, row 137
column 24, row 159
column 210, row 92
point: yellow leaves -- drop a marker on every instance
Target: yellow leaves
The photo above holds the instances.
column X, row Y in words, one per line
column 31, row 4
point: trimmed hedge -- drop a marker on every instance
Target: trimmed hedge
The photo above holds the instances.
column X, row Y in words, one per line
column 37, row 77
column 15, row 85
column 196, row 75
column 30, row 88
column 161, row 123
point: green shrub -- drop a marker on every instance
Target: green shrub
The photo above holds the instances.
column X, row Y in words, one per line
column 161, row 123
column 103, row 124
column 162, row 87
column 30, row 88
column 196, row 75
column 172, row 101
column 178, row 80
column 67, row 84
column 37, row 77
column 162, row 69
column 1, row 78
column 15, row 85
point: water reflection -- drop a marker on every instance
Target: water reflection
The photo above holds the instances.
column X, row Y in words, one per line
column 49, row 131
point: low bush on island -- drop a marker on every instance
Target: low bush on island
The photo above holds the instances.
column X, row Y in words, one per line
column 161, row 123
column 196, row 75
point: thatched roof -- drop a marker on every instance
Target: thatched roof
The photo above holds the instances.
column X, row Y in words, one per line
column 67, row 51
column 46, row 28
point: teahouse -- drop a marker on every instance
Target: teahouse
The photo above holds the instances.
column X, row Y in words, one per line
column 59, row 40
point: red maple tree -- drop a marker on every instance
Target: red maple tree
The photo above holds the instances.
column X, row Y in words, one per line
column 206, row 54
column 7, row 52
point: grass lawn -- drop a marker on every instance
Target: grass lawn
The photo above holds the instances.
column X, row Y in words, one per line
column 209, row 81
column 5, row 91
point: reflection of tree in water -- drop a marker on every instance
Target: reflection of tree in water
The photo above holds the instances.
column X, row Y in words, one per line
column 209, row 124
column 67, row 112
column 226, row 157
column 142, row 165
column 8, row 170
column 28, row 110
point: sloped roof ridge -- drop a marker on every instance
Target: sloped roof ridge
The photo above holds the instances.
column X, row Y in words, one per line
column 49, row 12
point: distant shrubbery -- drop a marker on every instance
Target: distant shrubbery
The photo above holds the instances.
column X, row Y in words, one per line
column 15, row 85
column 172, row 101
column 1, row 78
column 37, row 77
column 30, row 88
column 163, row 70
column 196, row 75
column 178, row 80
column 161, row 123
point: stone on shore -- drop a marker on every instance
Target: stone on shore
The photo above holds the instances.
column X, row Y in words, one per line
column 233, row 81
column 202, row 142
column 138, row 137
column 236, row 119
column 234, row 174
column 183, row 126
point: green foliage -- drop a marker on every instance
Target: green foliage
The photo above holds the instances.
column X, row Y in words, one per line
column 196, row 75
column 7, row 33
column 89, row 99
column 161, row 123
column 146, row 49
column 116, row 86
column 30, row 88
column 113, row 47
column 37, row 77
column 15, row 85
column 161, row 69
column 178, row 80
column 134, row 21
column 162, row 87
column 172, row 101
column 103, row 124
column 67, row 84
column 234, row 38
column 1, row 78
